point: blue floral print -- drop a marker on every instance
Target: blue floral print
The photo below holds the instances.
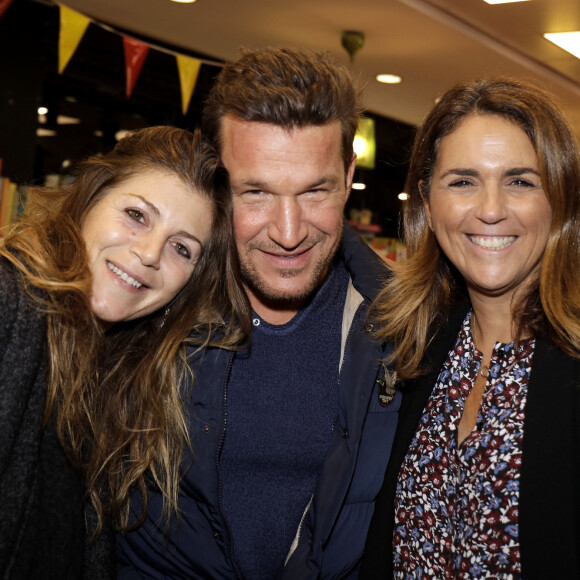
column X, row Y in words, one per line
column 456, row 506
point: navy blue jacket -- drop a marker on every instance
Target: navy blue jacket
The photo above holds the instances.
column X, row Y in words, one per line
column 330, row 540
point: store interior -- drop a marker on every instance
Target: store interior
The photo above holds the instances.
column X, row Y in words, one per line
column 428, row 44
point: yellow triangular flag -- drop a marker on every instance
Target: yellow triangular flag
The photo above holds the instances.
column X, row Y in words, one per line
column 188, row 71
column 72, row 28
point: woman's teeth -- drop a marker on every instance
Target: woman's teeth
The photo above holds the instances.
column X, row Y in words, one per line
column 494, row 242
column 125, row 277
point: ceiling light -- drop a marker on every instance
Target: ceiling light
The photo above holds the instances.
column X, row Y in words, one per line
column 121, row 134
column 42, row 110
column 389, row 79
column 503, row 1
column 184, row 1
column 352, row 41
column 359, row 145
column 65, row 120
column 365, row 143
column 569, row 41
column 359, row 186
column 403, row 196
column 40, row 132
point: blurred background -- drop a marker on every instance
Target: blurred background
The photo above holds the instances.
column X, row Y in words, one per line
column 75, row 76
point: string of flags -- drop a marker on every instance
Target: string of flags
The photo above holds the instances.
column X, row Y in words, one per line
column 3, row 5
column 73, row 26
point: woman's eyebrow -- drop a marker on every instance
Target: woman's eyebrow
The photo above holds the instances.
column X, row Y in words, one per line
column 151, row 206
column 521, row 170
column 462, row 172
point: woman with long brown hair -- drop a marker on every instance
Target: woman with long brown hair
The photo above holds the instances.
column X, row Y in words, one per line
column 101, row 284
column 485, row 315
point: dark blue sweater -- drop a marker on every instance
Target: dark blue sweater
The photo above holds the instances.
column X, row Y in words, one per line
column 282, row 403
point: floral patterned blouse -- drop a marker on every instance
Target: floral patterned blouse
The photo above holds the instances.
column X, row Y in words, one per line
column 456, row 506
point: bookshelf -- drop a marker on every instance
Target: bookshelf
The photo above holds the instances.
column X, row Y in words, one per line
column 12, row 199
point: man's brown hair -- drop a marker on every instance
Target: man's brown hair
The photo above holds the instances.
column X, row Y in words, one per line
column 287, row 87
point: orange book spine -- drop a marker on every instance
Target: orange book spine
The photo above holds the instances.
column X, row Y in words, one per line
column 5, row 202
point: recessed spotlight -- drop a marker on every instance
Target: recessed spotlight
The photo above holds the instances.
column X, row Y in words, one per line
column 403, row 196
column 569, row 41
column 42, row 110
column 359, row 186
column 389, row 79
column 503, row 1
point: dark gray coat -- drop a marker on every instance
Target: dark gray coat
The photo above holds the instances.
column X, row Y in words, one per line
column 42, row 532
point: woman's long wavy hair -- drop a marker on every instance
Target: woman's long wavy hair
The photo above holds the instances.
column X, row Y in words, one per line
column 114, row 396
column 418, row 299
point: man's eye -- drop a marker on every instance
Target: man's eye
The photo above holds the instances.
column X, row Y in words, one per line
column 182, row 250
column 136, row 215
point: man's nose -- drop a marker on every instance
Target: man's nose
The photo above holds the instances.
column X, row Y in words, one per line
column 287, row 224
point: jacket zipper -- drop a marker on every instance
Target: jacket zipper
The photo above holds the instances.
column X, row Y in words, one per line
column 228, row 537
column 296, row 541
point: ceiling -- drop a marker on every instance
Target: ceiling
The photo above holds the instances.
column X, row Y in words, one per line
column 431, row 44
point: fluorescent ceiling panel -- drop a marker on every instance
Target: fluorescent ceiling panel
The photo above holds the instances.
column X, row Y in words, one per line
column 569, row 41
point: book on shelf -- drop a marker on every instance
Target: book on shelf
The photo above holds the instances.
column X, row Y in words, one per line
column 5, row 200
column 10, row 201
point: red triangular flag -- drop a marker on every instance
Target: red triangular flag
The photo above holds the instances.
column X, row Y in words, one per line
column 3, row 5
column 135, row 54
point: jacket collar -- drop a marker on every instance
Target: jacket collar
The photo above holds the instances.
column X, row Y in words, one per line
column 367, row 271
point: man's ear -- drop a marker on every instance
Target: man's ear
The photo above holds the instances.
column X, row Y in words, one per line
column 426, row 205
column 350, row 175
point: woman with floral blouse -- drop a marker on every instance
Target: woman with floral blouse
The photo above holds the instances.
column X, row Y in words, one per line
column 483, row 481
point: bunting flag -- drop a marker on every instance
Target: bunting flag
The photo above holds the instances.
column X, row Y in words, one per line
column 188, row 71
column 72, row 28
column 3, row 5
column 135, row 55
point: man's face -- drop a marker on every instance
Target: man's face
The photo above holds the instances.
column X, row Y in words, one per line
column 289, row 190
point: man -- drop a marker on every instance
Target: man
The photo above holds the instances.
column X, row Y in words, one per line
column 290, row 439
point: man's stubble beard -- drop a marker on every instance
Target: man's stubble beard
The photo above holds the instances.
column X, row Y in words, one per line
column 263, row 291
